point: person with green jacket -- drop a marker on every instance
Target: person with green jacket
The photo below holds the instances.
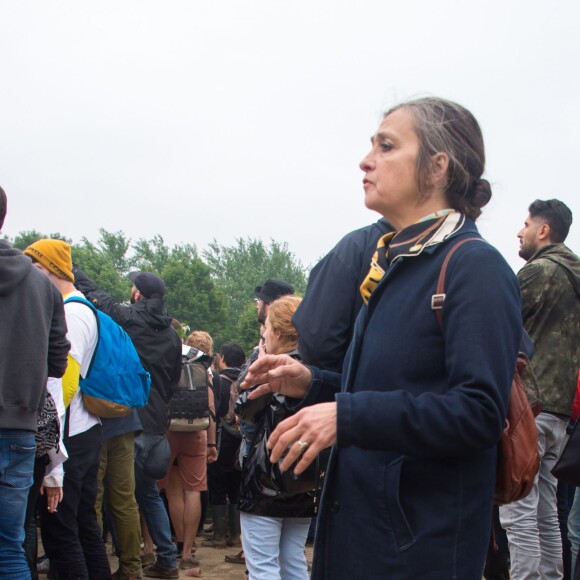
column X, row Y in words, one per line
column 549, row 284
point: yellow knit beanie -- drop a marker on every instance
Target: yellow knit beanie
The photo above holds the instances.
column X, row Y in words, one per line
column 54, row 255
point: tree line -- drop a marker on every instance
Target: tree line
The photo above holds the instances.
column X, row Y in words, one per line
column 213, row 291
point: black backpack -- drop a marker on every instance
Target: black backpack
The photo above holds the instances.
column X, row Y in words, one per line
column 189, row 404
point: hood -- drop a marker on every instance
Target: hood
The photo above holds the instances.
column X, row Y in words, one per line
column 14, row 267
column 153, row 312
column 232, row 373
column 562, row 255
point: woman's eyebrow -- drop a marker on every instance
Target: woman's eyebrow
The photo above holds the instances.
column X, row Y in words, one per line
column 381, row 136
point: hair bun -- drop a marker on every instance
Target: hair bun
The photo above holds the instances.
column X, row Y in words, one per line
column 480, row 193
column 478, row 196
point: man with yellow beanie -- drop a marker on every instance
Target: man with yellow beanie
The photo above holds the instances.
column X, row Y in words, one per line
column 70, row 534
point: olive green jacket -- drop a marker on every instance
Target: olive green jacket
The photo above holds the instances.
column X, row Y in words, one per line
column 551, row 314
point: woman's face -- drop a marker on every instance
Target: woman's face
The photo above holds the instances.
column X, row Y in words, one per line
column 271, row 339
column 390, row 184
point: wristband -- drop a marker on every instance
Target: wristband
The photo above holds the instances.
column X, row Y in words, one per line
column 211, row 445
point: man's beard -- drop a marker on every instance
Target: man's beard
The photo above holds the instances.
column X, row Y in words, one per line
column 527, row 251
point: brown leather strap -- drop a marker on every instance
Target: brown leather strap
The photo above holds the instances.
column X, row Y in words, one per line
column 437, row 305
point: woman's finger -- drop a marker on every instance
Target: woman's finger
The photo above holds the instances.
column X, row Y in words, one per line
column 263, row 389
column 307, row 458
column 280, row 439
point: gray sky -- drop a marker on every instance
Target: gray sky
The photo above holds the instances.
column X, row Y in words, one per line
column 198, row 119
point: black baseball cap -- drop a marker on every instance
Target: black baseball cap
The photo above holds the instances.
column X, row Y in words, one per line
column 147, row 283
column 272, row 290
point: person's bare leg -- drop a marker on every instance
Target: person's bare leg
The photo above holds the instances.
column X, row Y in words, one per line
column 176, row 502
column 191, row 517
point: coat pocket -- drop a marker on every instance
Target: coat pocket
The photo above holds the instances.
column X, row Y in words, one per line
column 402, row 531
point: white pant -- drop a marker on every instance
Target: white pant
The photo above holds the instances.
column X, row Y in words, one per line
column 532, row 524
column 274, row 547
column 574, row 528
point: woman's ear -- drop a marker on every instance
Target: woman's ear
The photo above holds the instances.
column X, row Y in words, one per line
column 439, row 167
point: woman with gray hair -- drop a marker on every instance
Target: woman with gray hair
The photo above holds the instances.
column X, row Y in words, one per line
column 415, row 418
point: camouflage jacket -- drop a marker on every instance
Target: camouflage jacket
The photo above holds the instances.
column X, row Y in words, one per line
column 551, row 314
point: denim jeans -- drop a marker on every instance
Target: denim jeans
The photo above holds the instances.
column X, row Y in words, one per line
column 149, row 501
column 532, row 523
column 17, row 449
column 274, row 547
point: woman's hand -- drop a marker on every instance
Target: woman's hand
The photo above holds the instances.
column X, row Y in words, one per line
column 53, row 497
column 310, row 431
column 277, row 374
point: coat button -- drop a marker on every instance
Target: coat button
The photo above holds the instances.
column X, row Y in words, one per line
column 335, row 507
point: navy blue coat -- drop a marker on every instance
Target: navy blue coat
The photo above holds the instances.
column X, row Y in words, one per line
column 409, row 486
column 325, row 318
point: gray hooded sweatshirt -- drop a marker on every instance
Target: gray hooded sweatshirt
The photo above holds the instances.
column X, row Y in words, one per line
column 33, row 343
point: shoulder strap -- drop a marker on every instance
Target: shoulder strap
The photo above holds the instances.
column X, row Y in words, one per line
column 569, row 273
column 439, row 297
column 81, row 300
column 84, row 301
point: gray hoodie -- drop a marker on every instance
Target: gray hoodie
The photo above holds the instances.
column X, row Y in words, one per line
column 33, row 343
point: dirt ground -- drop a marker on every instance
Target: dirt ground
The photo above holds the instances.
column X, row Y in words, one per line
column 213, row 566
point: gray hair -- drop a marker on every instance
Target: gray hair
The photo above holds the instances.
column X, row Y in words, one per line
column 445, row 126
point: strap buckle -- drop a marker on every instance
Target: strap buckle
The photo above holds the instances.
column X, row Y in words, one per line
column 437, row 301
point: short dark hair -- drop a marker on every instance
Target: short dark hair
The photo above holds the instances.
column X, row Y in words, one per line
column 556, row 214
column 233, row 353
column 3, row 206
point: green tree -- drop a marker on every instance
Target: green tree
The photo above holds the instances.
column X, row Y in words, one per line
column 115, row 246
column 240, row 268
column 247, row 330
column 152, row 255
column 99, row 265
column 191, row 295
column 27, row 237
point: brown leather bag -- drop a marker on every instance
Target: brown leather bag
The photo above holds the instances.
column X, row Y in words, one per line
column 518, row 459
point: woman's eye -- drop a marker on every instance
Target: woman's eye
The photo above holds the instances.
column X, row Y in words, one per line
column 385, row 146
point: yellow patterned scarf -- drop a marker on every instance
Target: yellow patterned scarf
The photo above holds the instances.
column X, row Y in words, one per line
column 412, row 245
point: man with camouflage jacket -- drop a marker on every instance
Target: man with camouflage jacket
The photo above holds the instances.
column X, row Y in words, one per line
column 549, row 285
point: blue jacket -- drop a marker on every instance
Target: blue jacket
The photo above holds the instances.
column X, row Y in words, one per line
column 409, row 486
column 325, row 318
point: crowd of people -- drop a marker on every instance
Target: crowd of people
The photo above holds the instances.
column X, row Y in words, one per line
column 361, row 413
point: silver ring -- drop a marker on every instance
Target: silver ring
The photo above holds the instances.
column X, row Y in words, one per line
column 302, row 444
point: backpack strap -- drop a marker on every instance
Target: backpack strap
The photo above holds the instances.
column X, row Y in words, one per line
column 439, row 297
column 84, row 301
column 569, row 273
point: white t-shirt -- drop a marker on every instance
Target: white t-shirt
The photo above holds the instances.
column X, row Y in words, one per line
column 83, row 336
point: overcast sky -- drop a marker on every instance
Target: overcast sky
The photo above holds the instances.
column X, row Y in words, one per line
column 223, row 119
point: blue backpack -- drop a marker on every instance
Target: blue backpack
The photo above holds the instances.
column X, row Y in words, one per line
column 115, row 381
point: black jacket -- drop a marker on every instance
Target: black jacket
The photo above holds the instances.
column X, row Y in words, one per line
column 33, row 343
column 158, row 346
column 252, row 501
